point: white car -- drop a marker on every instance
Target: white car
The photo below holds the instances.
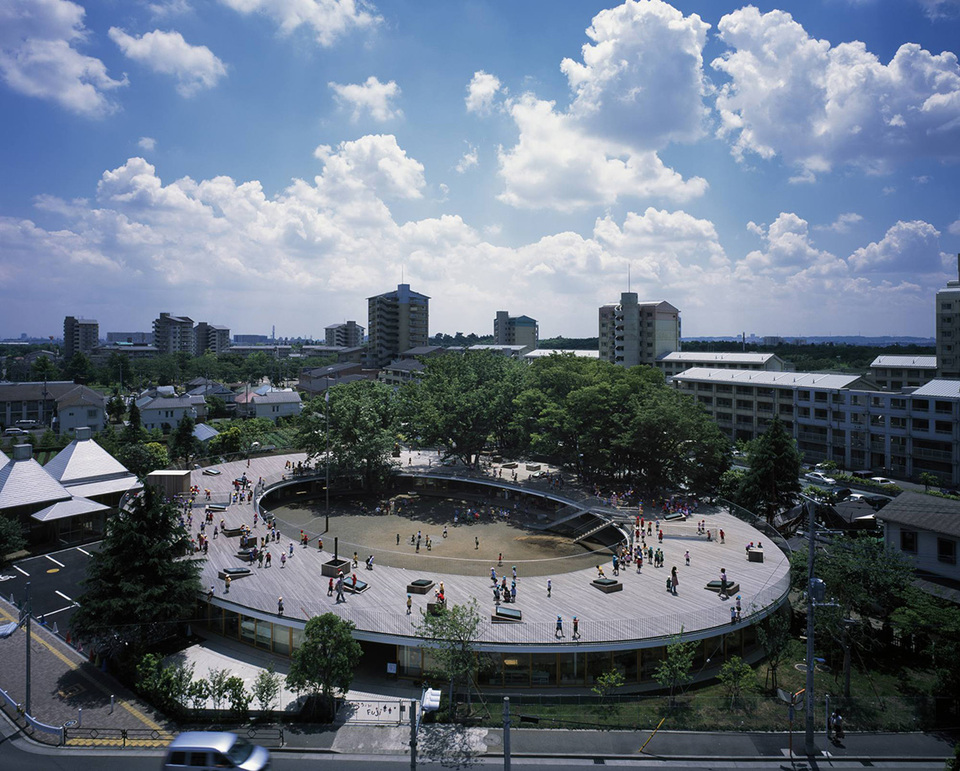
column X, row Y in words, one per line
column 882, row 481
column 820, row 478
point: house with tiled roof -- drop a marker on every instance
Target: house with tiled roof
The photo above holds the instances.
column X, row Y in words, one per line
column 926, row 529
column 81, row 407
column 165, row 412
column 274, row 405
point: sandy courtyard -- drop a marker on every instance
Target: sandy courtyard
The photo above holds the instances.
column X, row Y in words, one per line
column 535, row 552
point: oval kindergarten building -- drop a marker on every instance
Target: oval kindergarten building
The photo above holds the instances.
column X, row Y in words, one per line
column 622, row 623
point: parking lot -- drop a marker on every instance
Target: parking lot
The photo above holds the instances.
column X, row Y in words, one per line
column 54, row 582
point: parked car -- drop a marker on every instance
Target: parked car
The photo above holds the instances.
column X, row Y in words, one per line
column 13, row 431
column 820, row 478
column 882, row 481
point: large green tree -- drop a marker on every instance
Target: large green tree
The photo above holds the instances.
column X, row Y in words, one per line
column 326, row 659
column 463, row 401
column 361, row 420
column 676, row 669
column 866, row 581
column 11, row 536
column 139, row 585
column 772, row 483
column 184, row 445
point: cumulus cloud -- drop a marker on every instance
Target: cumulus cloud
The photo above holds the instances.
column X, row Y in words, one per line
column 39, row 57
column 638, row 88
column 194, row 67
column 557, row 164
column 167, row 8
column 468, row 161
column 820, row 106
column 641, row 80
column 147, row 143
column 371, row 97
column 327, row 19
column 375, row 163
column 481, row 91
column 907, row 247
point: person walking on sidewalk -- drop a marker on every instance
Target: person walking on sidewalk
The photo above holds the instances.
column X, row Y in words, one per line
column 559, row 632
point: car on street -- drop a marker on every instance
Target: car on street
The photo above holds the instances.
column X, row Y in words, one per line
column 13, row 431
column 882, row 481
column 215, row 749
column 820, row 478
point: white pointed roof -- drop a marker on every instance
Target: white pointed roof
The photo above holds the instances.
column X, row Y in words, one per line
column 83, row 460
column 23, row 482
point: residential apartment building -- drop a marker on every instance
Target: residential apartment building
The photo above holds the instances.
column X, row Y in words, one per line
column 675, row 362
column 134, row 338
column 396, row 322
column 174, row 334
column 516, row 330
column 893, row 373
column 948, row 328
column 843, row 418
column 633, row 333
column 79, row 336
column 211, row 337
column 346, row 335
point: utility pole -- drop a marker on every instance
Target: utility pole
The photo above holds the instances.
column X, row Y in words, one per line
column 413, row 736
column 506, row 733
column 326, row 481
column 27, row 611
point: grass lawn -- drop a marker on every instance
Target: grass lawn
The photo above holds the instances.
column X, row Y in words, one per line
column 888, row 698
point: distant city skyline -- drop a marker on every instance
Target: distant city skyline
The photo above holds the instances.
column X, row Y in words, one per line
column 786, row 168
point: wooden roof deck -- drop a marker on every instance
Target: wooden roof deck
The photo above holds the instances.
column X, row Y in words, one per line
column 643, row 611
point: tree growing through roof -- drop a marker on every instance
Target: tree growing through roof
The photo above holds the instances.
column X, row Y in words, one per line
column 325, row 661
column 773, row 481
column 139, row 585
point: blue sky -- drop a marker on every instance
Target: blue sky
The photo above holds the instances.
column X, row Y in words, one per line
column 777, row 168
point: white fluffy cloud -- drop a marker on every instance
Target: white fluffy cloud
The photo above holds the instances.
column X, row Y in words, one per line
column 371, row 97
column 640, row 86
column 557, row 164
column 328, row 19
column 375, row 163
column 194, row 67
column 907, row 247
column 149, row 144
column 641, row 80
column 39, row 56
column 482, row 89
column 820, row 106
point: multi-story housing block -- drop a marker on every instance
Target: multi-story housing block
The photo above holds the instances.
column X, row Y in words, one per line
column 633, row 333
column 843, row 418
column 675, row 362
column 346, row 335
column 211, row 337
column 174, row 334
column 948, row 329
column 397, row 321
column 895, row 373
column 79, row 336
column 516, row 330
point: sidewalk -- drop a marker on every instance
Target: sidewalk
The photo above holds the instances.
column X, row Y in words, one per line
column 66, row 686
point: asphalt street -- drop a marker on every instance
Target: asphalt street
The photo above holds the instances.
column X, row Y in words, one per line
column 54, row 582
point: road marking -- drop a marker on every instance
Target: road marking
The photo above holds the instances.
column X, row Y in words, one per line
column 68, row 599
column 55, row 562
column 54, row 570
column 83, row 551
column 21, row 570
